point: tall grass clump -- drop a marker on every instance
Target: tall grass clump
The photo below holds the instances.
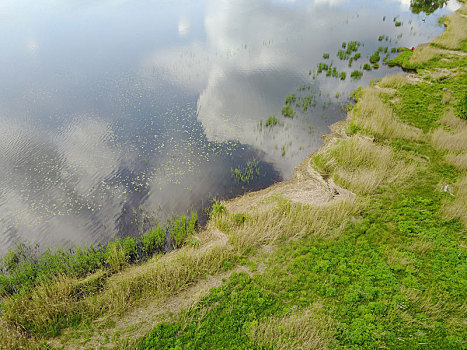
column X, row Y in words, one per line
column 307, row 329
column 363, row 166
column 395, row 81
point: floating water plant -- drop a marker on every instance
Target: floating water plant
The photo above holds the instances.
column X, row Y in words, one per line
column 287, row 111
column 322, row 66
column 325, row 56
column 375, row 57
column 343, row 75
column 366, row 66
column 398, row 24
column 356, row 74
column 290, row 99
column 335, row 74
column 272, row 121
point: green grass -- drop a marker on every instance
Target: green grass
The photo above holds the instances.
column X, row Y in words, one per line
column 421, row 105
column 22, row 268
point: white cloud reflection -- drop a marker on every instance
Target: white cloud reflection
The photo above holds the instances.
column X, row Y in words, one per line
column 245, row 68
column 53, row 187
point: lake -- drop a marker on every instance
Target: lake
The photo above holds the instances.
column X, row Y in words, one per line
column 115, row 114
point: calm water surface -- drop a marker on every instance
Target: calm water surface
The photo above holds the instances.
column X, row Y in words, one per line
column 115, row 111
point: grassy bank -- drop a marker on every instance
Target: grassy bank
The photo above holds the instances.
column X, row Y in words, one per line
column 365, row 248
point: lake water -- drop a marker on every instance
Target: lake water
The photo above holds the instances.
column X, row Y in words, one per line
column 116, row 113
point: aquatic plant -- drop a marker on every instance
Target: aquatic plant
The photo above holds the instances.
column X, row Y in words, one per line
column 325, row 55
column 271, row 121
column 398, row 24
column 243, row 175
column 342, row 55
column 287, row 111
column 322, row 66
column 356, row 74
column 290, row 99
column 375, row 57
column 343, row 75
column 335, row 74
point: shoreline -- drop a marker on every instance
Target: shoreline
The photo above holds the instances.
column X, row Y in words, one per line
column 337, row 198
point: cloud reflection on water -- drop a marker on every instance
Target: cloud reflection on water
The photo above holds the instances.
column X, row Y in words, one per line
column 245, row 68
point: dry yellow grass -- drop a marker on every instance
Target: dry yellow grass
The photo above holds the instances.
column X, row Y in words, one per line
column 452, row 122
column 372, row 114
column 453, row 37
column 395, row 81
column 363, row 166
column 283, row 219
column 456, row 207
column 450, row 141
column 307, row 329
column 459, row 160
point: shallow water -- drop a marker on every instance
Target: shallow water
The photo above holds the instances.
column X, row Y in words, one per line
column 117, row 113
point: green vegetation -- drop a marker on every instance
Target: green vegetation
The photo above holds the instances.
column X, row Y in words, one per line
column 271, row 121
column 22, row 268
column 325, row 56
column 366, row 66
column 379, row 262
column 356, row 74
column 375, row 57
column 427, row 6
column 287, row 111
column 398, row 24
column 243, row 175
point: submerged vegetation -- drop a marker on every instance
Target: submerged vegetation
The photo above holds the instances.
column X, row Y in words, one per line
column 243, row 175
column 375, row 258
